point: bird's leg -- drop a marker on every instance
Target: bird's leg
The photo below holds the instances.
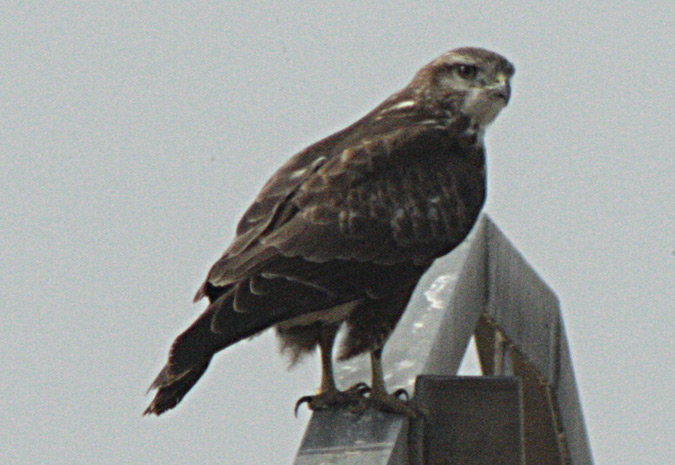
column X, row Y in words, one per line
column 326, row 341
column 329, row 395
column 378, row 387
column 379, row 398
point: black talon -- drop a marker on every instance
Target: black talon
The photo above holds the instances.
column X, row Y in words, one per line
column 302, row 400
column 362, row 391
column 399, row 393
column 360, row 388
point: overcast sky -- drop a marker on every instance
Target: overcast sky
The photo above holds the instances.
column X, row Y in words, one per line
column 134, row 134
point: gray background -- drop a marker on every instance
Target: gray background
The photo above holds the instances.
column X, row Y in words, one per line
column 134, row 134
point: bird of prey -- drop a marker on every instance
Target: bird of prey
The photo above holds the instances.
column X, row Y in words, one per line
column 342, row 233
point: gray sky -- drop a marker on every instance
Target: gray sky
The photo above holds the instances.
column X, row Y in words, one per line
column 134, row 134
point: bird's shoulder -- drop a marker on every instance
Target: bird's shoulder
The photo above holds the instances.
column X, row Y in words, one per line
column 381, row 190
column 387, row 135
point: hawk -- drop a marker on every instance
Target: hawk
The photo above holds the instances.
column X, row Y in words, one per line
column 342, row 233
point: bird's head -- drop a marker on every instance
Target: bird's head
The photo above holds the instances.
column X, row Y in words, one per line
column 470, row 82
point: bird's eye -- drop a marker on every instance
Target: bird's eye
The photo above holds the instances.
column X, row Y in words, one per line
column 467, row 71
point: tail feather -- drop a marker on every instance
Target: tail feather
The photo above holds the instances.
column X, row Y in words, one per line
column 192, row 351
column 189, row 357
column 172, row 388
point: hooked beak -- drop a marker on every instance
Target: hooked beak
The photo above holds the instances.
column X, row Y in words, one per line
column 504, row 91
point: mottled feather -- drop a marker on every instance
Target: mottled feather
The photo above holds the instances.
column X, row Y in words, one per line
column 345, row 229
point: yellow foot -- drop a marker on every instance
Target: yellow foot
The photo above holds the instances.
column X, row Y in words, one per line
column 352, row 397
column 398, row 402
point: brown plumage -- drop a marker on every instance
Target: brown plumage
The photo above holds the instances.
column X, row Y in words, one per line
column 342, row 233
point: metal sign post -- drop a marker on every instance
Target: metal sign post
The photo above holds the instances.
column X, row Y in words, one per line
column 529, row 413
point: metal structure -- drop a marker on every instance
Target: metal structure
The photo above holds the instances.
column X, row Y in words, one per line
column 525, row 410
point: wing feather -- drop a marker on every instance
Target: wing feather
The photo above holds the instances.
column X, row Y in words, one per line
column 397, row 197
